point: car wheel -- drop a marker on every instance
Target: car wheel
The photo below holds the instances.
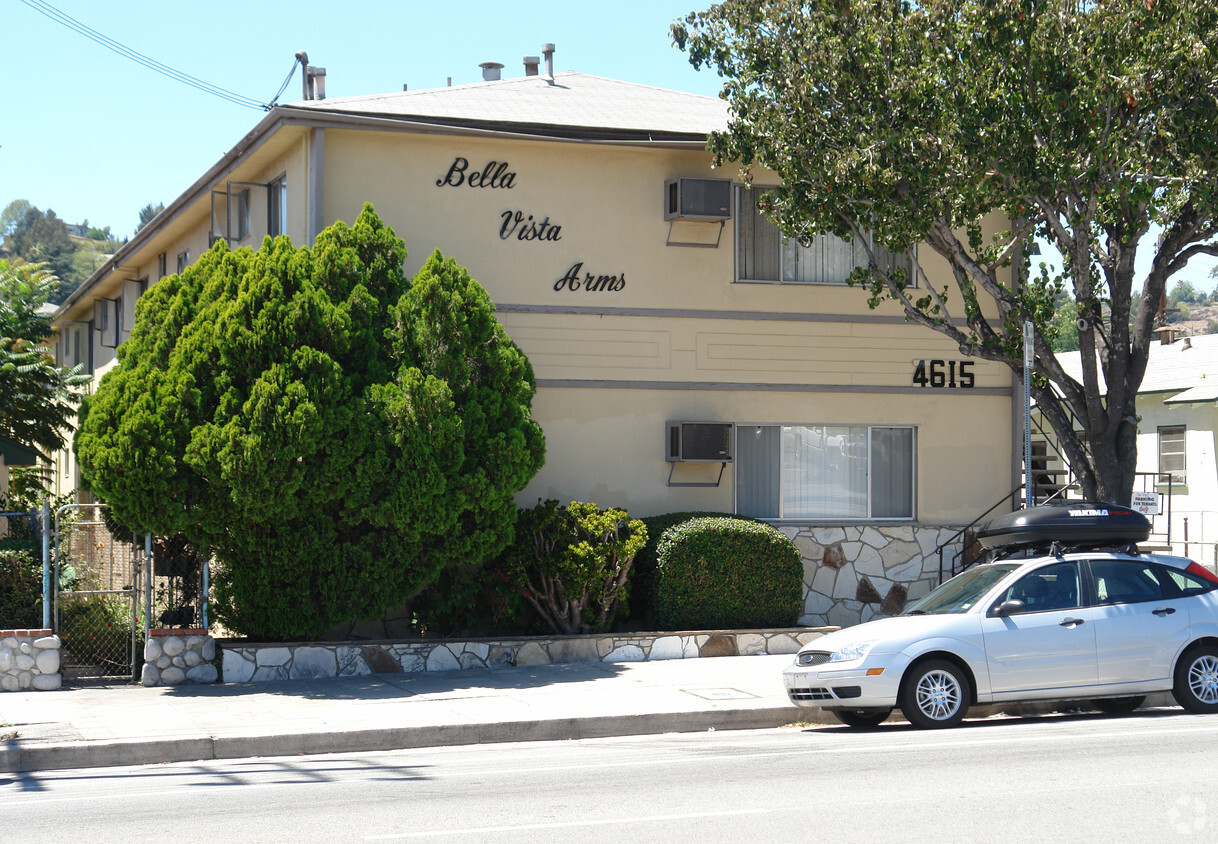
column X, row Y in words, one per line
column 934, row 694
column 862, row 718
column 1118, row 705
column 1196, row 685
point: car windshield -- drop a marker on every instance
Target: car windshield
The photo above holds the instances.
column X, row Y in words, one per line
column 962, row 591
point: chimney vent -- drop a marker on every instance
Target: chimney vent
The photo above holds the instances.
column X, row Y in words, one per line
column 491, row 71
column 531, row 64
column 547, row 50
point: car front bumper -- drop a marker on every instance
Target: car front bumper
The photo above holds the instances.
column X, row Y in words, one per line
column 869, row 683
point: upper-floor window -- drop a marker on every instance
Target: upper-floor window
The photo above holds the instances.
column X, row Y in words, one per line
column 277, row 207
column 162, row 266
column 1171, row 454
column 241, row 214
column 183, row 260
column 763, row 254
column 825, row 471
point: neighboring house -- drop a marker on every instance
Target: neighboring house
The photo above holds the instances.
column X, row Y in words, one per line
column 686, row 358
column 1177, row 418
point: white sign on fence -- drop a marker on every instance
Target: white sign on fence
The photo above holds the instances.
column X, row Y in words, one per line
column 1146, row 503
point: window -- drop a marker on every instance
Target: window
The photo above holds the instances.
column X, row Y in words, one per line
column 763, row 255
column 1171, row 454
column 183, row 260
column 277, row 207
column 241, row 213
column 162, row 266
column 825, row 471
column 1125, row 582
column 1053, row 587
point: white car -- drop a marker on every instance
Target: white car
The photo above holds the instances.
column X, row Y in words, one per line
column 1086, row 618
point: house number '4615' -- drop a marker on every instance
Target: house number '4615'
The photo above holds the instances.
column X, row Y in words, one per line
column 944, row 373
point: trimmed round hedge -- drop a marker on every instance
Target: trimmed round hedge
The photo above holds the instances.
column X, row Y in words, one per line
column 727, row 573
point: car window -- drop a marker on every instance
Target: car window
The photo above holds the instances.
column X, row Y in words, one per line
column 1128, row 581
column 1187, row 582
column 1053, row 587
column 963, row 591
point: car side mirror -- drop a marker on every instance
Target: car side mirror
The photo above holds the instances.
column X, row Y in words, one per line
column 1012, row 607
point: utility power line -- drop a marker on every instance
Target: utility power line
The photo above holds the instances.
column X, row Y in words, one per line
column 152, row 64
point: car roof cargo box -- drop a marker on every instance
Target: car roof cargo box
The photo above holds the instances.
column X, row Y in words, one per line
column 1069, row 523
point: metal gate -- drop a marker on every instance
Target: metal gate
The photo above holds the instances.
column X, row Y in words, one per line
column 96, row 603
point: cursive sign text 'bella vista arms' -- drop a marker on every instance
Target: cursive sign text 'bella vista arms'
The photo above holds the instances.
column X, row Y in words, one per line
column 494, row 175
column 591, row 283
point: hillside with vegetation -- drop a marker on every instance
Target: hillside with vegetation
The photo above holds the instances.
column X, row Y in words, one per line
column 70, row 251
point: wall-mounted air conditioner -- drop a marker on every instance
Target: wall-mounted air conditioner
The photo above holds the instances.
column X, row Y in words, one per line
column 699, row 442
column 698, row 199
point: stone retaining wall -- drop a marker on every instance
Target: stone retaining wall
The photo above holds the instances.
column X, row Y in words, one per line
column 29, row 659
column 245, row 662
column 174, row 657
column 855, row 573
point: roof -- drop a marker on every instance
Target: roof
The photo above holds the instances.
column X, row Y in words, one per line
column 570, row 100
column 1187, row 367
column 571, row 105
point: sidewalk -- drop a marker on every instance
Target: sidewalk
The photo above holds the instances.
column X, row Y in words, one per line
column 133, row 725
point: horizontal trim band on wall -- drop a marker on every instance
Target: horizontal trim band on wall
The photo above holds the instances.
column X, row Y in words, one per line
column 751, row 387
column 683, row 313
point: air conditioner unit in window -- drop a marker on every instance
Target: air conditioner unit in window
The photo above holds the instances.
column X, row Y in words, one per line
column 698, row 199
column 699, row 442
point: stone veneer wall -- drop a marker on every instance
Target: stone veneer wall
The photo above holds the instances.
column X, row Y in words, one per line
column 174, row 657
column 29, row 659
column 245, row 662
column 855, row 573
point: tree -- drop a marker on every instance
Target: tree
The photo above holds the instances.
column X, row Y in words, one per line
column 334, row 434
column 1083, row 123
column 12, row 214
column 148, row 212
column 37, row 398
column 43, row 238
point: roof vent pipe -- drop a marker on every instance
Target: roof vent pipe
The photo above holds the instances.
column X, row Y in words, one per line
column 491, row 71
column 547, row 50
column 531, row 64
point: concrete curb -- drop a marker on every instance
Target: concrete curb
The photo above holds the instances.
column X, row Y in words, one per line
column 16, row 757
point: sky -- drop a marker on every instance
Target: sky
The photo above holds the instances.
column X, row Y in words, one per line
column 96, row 136
column 93, row 135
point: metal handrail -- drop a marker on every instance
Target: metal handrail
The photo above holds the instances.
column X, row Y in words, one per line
column 1011, row 496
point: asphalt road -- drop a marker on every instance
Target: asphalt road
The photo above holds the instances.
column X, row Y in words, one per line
column 1152, row 776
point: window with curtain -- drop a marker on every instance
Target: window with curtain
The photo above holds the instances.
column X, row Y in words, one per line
column 762, row 254
column 825, row 471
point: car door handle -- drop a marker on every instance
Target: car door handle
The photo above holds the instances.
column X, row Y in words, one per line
column 1162, row 611
column 1070, row 622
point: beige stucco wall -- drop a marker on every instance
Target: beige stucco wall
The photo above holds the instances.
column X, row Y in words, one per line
column 613, row 366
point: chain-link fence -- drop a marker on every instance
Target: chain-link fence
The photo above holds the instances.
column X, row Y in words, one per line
column 96, row 587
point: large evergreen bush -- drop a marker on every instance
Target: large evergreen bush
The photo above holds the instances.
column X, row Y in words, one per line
column 725, row 573
column 336, row 435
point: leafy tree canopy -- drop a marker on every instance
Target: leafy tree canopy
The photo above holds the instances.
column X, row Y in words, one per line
column 37, row 398
column 336, row 435
column 1082, row 123
column 148, row 212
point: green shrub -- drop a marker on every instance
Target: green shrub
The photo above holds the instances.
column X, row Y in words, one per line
column 573, row 562
column 478, row 600
column 96, row 630
column 725, row 573
column 641, row 607
column 20, row 585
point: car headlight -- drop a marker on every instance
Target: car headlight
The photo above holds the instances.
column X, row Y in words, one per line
column 851, row 652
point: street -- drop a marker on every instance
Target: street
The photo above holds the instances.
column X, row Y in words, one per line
column 1149, row 776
